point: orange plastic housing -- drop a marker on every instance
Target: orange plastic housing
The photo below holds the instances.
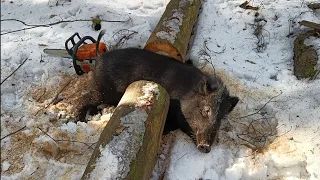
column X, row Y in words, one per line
column 89, row 50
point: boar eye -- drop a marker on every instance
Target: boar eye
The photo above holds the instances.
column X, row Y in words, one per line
column 206, row 111
column 211, row 88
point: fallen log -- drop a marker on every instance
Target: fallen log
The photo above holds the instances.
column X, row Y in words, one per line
column 305, row 57
column 310, row 24
column 128, row 146
column 314, row 6
column 173, row 31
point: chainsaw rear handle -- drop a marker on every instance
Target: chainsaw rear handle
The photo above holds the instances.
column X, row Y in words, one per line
column 78, row 68
column 84, row 54
column 69, row 50
column 74, row 49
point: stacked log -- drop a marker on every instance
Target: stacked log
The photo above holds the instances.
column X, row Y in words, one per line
column 128, row 146
column 172, row 34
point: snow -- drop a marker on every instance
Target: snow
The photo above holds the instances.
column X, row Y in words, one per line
column 149, row 91
column 253, row 74
column 5, row 165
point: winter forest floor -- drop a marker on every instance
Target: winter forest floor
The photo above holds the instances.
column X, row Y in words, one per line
column 281, row 140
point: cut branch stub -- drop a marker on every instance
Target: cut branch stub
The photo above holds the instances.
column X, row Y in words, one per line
column 129, row 144
column 173, row 31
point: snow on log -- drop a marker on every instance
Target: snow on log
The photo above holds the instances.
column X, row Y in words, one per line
column 173, row 31
column 129, row 144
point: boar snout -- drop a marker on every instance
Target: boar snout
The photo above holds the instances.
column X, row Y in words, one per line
column 203, row 144
column 205, row 148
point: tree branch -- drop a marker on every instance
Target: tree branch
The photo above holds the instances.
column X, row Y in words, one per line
column 261, row 107
column 13, row 132
column 62, row 140
column 14, row 71
column 55, row 97
column 31, row 26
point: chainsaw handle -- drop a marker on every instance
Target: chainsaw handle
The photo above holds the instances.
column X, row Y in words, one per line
column 76, row 47
column 78, row 69
column 70, row 50
column 74, row 51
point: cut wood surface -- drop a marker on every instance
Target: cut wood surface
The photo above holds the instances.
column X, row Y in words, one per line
column 173, row 31
column 128, row 146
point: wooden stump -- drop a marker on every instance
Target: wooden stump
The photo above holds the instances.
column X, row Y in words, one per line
column 172, row 34
column 128, row 146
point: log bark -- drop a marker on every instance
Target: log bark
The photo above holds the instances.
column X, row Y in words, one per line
column 137, row 124
column 310, row 24
column 173, row 31
column 305, row 57
column 314, row 6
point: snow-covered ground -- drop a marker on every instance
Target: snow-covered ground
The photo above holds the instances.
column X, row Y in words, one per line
column 282, row 141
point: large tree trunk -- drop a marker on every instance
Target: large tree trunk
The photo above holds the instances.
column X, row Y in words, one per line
column 128, row 146
column 172, row 34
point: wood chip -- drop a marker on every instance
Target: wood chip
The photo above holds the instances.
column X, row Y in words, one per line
column 250, row 62
column 246, row 6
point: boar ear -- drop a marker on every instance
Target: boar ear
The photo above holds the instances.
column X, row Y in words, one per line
column 208, row 85
column 202, row 88
column 233, row 101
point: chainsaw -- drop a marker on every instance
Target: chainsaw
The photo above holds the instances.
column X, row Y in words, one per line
column 83, row 54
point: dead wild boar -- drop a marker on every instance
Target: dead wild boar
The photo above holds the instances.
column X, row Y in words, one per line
column 198, row 101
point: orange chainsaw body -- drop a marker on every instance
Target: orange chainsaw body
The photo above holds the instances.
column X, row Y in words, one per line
column 87, row 51
column 84, row 53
